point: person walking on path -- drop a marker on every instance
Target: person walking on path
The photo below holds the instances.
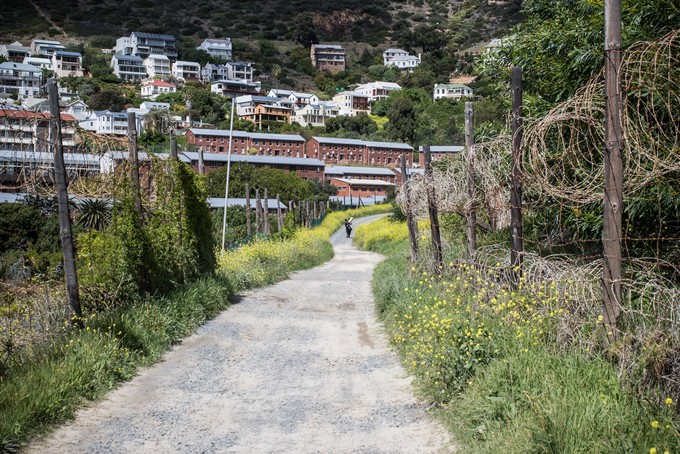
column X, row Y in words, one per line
column 348, row 226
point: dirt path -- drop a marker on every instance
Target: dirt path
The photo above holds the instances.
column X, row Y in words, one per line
column 298, row 367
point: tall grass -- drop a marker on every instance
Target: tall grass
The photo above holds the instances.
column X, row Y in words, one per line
column 87, row 363
column 488, row 360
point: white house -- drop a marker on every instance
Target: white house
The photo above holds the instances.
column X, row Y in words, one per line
column 279, row 93
column 15, row 52
column 220, row 48
column 24, row 80
column 303, row 99
column 66, row 64
column 186, row 70
column 352, row 103
column 389, row 54
column 234, row 88
column 238, row 70
column 212, row 72
column 105, row 122
column 46, row 47
column 42, row 63
column 453, row 91
column 317, row 113
column 157, row 65
column 377, row 90
column 78, row 109
column 407, row 63
column 145, row 44
column 128, row 67
column 152, row 88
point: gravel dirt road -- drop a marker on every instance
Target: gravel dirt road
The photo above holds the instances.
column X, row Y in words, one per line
column 302, row 366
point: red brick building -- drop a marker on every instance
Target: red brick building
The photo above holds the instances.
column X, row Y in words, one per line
column 333, row 150
column 350, row 187
column 217, row 141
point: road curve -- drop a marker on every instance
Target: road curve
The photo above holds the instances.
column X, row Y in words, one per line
column 302, row 366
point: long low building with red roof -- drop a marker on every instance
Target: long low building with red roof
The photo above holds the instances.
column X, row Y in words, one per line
column 334, row 150
column 217, row 141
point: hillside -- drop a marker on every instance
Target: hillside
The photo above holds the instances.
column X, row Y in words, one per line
column 376, row 22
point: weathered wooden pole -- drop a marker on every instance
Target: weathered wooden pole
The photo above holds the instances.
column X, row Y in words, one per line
column 516, row 228
column 134, row 162
column 411, row 223
column 279, row 218
column 471, row 211
column 432, row 210
column 257, row 210
column 265, row 204
column 173, row 145
column 65, row 232
column 613, row 171
column 201, row 162
column 248, row 226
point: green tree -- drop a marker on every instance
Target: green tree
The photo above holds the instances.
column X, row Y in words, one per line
column 107, row 99
column 403, row 120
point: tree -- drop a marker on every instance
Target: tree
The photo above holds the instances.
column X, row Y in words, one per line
column 107, row 99
column 402, row 124
column 304, row 32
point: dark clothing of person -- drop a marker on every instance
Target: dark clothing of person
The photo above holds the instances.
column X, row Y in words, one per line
column 348, row 228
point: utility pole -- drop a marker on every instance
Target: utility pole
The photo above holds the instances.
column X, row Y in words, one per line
column 471, row 205
column 516, row 228
column 65, row 232
column 613, row 171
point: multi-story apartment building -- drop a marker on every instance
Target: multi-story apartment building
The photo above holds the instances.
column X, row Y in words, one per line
column 66, row 64
column 186, row 70
column 46, row 47
column 234, row 88
column 15, row 52
column 220, row 48
column 328, row 57
column 130, row 68
column 239, row 70
column 316, row 114
column 157, row 65
column 353, row 103
column 23, row 80
column 212, row 72
column 22, row 130
column 144, row 44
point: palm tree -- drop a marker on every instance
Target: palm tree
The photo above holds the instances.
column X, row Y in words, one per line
column 94, row 214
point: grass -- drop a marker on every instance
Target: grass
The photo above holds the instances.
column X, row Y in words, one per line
column 486, row 357
column 85, row 364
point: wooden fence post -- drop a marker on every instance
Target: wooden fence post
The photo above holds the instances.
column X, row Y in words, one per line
column 471, row 205
column 432, row 210
column 257, row 210
column 65, row 232
column 265, row 203
column 134, row 161
column 411, row 223
column 516, row 228
column 613, row 172
column 279, row 218
column 248, row 226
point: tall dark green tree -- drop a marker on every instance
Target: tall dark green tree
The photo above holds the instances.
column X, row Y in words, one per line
column 403, row 120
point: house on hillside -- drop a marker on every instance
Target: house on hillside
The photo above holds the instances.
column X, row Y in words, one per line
column 452, row 91
column 186, row 70
column 353, row 103
column 152, row 88
column 144, row 44
column 302, row 99
column 212, row 72
column 22, row 130
column 259, row 109
column 25, row 81
column 158, row 66
column 130, row 68
column 316, row 114
column 66, row 64
column 46, row 47
column 219, row 48
column 42, row 63
column 233, row 88
column 328, row 57
column 105, row 122
column 239, row 70
column 377, row 90
column 401, row 59
column 15, row 52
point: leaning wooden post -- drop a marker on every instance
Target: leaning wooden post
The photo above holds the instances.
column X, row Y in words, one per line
column 471, row 212
column 134, row 161
column 613, row 172
column 257, row 211
column 432, row 210
column 201, row 162
column 265, row 218
column 248, row 226
column 279, row 218
column 410, row 220
column 173, row 145
column 65, row 232
column 516, row 233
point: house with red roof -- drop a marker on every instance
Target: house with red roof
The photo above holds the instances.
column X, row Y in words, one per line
column 152, row 88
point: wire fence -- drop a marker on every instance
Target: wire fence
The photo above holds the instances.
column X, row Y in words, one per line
column 562, row 157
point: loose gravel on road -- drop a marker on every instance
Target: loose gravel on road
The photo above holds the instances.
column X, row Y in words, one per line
column 302, row 366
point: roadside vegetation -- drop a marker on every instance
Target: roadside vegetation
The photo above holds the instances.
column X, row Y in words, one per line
column 490, row 360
